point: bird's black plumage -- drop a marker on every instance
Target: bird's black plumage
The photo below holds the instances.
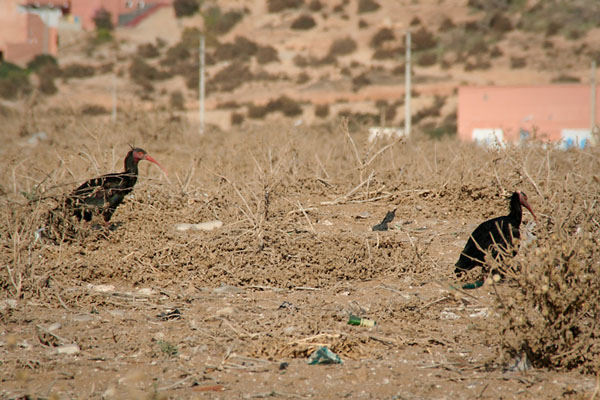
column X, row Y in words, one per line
column 500, row 231
column 383, row 225
column 102, row 195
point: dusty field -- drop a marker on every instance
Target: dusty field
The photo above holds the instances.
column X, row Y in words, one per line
column 295, row 256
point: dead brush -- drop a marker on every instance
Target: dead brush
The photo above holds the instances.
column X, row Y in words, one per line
column 551, row 310
column 21, row 239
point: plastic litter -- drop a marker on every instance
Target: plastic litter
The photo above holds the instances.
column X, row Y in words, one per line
column 324, row 356
column 354, row 320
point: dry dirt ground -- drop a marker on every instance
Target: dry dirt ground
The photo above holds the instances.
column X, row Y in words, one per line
column 94, row 316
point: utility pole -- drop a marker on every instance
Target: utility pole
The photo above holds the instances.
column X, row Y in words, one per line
column 407, row 87
column 593, row 102
column 114, row 97
column 201, row 85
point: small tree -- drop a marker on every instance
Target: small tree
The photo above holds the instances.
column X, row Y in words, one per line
column 103, row 20
column 184, row 8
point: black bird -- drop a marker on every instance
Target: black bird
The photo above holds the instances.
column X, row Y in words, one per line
column 383, row 225
column 500, row 231
column 102, row 195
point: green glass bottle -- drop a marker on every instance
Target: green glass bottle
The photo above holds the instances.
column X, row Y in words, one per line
column 354, row 320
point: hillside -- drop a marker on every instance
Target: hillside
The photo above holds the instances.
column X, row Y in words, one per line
column 315, row 60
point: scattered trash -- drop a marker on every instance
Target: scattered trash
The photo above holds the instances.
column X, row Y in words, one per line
column 38, row 234
column 170, row 314
column 34, row 139
column 327, row 222
column 521, row 363
column 53, row 327
column 529, row 236
column 283, row 366
column 473, row 285
column 363, row 215
column 68, row 349
column 225, row 311
column 209, row 388
column 324, row 356
column 227, row 289
column 286, row 305
column 8, row 303
column 448, row 315
column 354, row 320
column 483, row 313
column 203, row 226
column 145, row 292
column 101, row 288
column 389, row 217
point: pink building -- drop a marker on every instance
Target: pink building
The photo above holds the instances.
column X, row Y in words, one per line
column 31, row 27
column 123, row 12
column 511, row 113
column 27, row 30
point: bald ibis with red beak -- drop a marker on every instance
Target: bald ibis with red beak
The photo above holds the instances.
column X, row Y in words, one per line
column 499, row 231
column 102, row 195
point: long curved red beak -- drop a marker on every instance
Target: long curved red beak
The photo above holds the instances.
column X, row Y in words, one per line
column 152, row 160
column 526, row 204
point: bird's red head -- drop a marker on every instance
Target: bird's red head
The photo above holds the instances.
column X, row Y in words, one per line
column 141, row 154
column 524, row 202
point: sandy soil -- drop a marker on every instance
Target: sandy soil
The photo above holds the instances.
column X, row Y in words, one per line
column 149, row 311
column 255, row 297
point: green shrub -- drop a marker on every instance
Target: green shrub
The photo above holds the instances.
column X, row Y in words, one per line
column 500, row 23
column 241, row 50
column 236, row 118
column 266, row 54
column 103, row 35
column 256, row 112
column 382, row 36
column 178, row 53
column 341, row 47
column 365, row 6
column 219, row 23
column 184, row 8
column 76, row 70
column 41, row 60
column 274, row 6
column 360, row 81
column 322, row 110
column 518, row 62
column 302, row 78
column 415, row 21
column 446, row 25
column 46, row 77
column 427, row 59
column 303, row 22
column 141, row 72
column 289, row 107
column 496, row 52
column 103, row 20
column 422, row 39
column 176, row 100
column 147, row 50
column 93, row 109
column 14, row 81
column 315, row 6
column 387, row 53
column 230, row 77
column 563, row 78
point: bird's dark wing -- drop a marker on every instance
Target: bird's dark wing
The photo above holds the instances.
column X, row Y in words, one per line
column 389, row 217
column 104, row 192
column 497, row 231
